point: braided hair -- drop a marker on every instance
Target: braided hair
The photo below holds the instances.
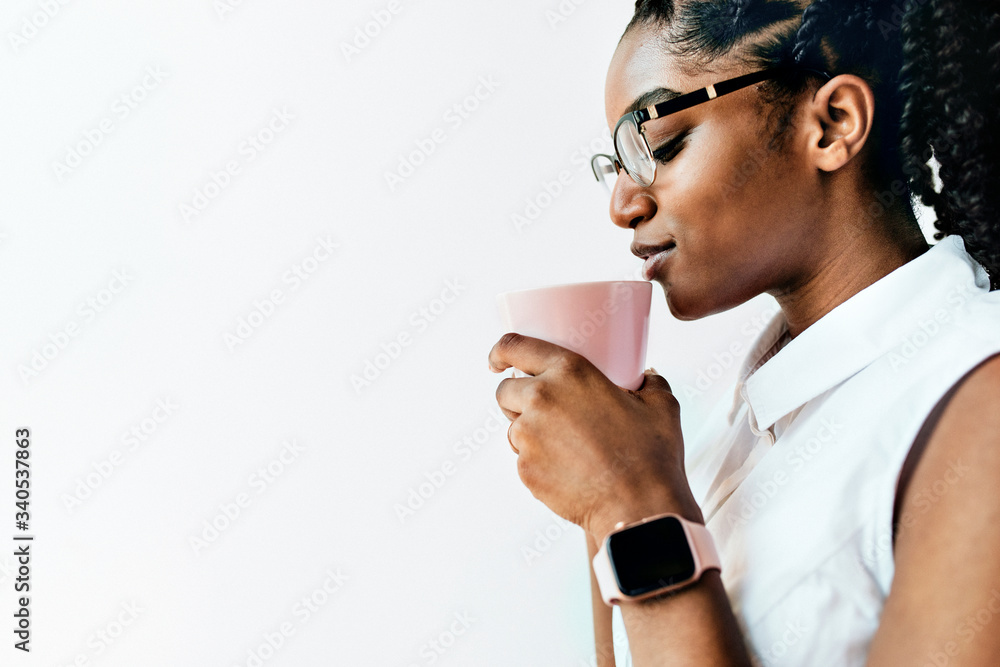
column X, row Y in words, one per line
column 934, row 69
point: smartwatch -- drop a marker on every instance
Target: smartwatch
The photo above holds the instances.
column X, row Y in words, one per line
column 660, row 553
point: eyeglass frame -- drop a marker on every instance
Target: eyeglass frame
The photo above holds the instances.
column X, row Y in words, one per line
column 683, row 102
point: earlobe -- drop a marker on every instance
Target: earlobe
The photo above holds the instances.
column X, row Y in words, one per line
column 843, row 111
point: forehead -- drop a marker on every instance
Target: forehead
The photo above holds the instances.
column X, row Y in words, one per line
column 642, row 64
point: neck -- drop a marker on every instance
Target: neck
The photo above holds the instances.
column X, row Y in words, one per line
column 856, row 260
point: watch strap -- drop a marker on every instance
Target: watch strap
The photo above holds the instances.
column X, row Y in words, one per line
column 702, row 547
column 606, row 576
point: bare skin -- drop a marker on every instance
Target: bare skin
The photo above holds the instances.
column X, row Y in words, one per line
column 800, row 228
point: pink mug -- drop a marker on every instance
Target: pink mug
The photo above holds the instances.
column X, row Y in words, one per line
column 605, row 321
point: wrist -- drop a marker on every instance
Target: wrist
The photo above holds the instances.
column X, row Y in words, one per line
column 608, row 517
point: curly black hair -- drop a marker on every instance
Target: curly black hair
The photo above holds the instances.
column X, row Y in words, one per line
column 934, row 69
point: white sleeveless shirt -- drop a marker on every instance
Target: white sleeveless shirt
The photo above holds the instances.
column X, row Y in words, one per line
column 796, row 474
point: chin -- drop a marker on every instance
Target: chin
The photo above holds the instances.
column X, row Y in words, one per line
column 680, row 307
column 686, row 306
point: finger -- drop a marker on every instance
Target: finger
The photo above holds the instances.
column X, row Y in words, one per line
column 531, row 355
column 511, row 396
column 652, row 381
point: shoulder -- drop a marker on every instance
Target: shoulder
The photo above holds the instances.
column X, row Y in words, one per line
column 949, row 535
column 959, row 467
column 970, row 422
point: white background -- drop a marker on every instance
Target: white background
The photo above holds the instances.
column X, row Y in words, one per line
column 99, row 159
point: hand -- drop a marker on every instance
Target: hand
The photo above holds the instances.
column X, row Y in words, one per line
column 593, row 452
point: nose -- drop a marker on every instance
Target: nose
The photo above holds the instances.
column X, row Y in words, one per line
column 631, row 203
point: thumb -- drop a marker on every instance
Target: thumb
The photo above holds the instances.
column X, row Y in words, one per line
column 654, row 381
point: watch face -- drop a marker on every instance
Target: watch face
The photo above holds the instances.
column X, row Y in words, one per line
column 650, row 556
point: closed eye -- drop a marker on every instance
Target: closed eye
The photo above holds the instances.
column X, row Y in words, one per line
column 669, row 150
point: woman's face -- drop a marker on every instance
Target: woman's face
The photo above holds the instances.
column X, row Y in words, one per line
column 738, row 213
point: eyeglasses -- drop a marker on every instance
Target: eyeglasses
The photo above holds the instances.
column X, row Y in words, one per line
column 632, row 152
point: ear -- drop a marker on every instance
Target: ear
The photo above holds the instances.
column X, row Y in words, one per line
column 839, row 119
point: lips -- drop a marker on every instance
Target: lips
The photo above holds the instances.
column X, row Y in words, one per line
column 655, row 261
column 654, row 255
column 643, row 251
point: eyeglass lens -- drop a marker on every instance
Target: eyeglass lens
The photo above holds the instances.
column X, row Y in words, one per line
column 634, row 153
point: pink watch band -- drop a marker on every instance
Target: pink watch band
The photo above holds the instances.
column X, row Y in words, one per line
column 702, row 550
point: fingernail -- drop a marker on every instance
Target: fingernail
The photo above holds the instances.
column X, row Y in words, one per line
column 652, row 370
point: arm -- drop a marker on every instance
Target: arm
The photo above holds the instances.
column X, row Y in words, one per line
column 597, row 454
column 603, row 633
column 693, row 626
column 944, row 604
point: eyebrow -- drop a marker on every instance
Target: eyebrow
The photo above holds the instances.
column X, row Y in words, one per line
column 651, row 97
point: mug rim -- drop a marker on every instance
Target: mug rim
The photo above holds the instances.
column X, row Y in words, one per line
column 559, row 286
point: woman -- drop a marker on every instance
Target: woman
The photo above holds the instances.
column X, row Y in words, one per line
column 848, row 481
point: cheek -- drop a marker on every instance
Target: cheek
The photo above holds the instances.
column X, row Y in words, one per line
column 751, row 193
column 726, row 199
column 740, row 173
column 722, row 191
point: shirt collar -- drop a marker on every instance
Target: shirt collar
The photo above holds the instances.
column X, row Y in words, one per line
column 852, row 335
